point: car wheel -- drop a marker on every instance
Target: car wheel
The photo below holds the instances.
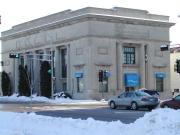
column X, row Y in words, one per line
column 134, row 106
column 165, row 106
column 151, row 108
column 112, row 105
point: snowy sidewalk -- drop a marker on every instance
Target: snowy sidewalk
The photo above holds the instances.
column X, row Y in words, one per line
column 44, row 100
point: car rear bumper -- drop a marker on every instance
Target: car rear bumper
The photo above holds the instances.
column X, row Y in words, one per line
column 148, row 104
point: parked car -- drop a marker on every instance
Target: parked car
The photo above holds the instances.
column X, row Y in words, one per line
column 153, row 93
column 134, row 100
column 171, row 103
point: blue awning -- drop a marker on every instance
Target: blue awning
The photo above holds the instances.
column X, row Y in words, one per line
column 78, row 74
column 131, row 79
column 160, row 74
column 107, row 74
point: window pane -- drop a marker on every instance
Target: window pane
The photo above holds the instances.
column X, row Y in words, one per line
column 103, row 86
column 64, row 62
column 129, row 55
column 80, row 84
column 159, row 84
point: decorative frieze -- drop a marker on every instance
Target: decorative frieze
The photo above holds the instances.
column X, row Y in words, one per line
column 86, row 17
column 102, row 50
column 79, row 51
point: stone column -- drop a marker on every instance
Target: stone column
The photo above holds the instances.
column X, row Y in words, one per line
column 120, row 65
column 16, row 74
column 53, row 85
column 60, row 71
column 57, row 69
column 36, row 69
column 68, row 69
column 142, row 66
column 45, row 52
column 25, row 59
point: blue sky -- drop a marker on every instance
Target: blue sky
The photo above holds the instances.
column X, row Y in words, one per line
column 14, row 12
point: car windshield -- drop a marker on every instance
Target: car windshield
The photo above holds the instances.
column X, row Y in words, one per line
column 151, row 92
column 141, row 93
column 177, row 97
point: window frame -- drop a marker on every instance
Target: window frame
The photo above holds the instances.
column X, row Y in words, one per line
column 64, row 63
column 129, row 55
column 161, row 83
column 80, row 80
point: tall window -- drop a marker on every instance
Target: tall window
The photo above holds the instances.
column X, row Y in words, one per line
column 64, row 62
column 159, row 84
column 64, row 86
column 80, row 84
column 129, row 55
column 22, row 60
column 103, row 85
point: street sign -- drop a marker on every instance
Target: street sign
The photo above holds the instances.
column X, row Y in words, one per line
column 14, row 55
column 164, row 47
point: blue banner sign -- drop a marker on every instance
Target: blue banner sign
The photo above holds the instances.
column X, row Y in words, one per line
column 131, row 79
column 160, row 74
column 78, row 74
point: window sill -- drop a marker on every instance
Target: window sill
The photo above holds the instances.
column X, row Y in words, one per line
column 130, row 65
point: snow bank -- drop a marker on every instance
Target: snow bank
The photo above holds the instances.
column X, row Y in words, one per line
column 157, row 122
column 15, row 98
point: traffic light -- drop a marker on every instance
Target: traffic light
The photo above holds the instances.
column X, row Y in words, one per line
column 100, row 75
column 14, row 55
column 178, row 66
column 49, row 71
column 105, row 74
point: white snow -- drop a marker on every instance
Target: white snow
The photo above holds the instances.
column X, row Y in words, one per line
column 157, row 122
column 15, row 98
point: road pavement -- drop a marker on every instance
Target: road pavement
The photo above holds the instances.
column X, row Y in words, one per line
column 77, row 111
column 102, row 114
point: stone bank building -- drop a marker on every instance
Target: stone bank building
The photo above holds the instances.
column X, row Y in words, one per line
column 122, row 43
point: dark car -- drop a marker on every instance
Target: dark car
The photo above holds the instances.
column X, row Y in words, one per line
column 171, row 103
column 153, row 93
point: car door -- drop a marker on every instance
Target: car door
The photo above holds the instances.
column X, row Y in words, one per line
column 128, row 98
column 120, row 100
column 177, row 102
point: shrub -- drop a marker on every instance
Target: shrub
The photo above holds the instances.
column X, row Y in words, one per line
column 24, row 86
column 5, row 84
column 45, row 79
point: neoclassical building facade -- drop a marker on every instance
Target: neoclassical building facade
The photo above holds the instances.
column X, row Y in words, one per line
column 123, row 44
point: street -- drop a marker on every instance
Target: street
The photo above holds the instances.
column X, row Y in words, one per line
column 97, row 112
column 102, row 114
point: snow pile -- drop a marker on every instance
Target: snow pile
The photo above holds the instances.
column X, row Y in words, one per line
column 61, row 100
column 157, row 122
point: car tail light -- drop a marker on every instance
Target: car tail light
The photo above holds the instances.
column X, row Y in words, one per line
column 144, row 99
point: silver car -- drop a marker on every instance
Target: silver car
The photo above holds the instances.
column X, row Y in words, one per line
column 134, row 100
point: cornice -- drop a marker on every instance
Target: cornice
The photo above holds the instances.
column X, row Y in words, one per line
column 83, row 18
column 68, row 41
